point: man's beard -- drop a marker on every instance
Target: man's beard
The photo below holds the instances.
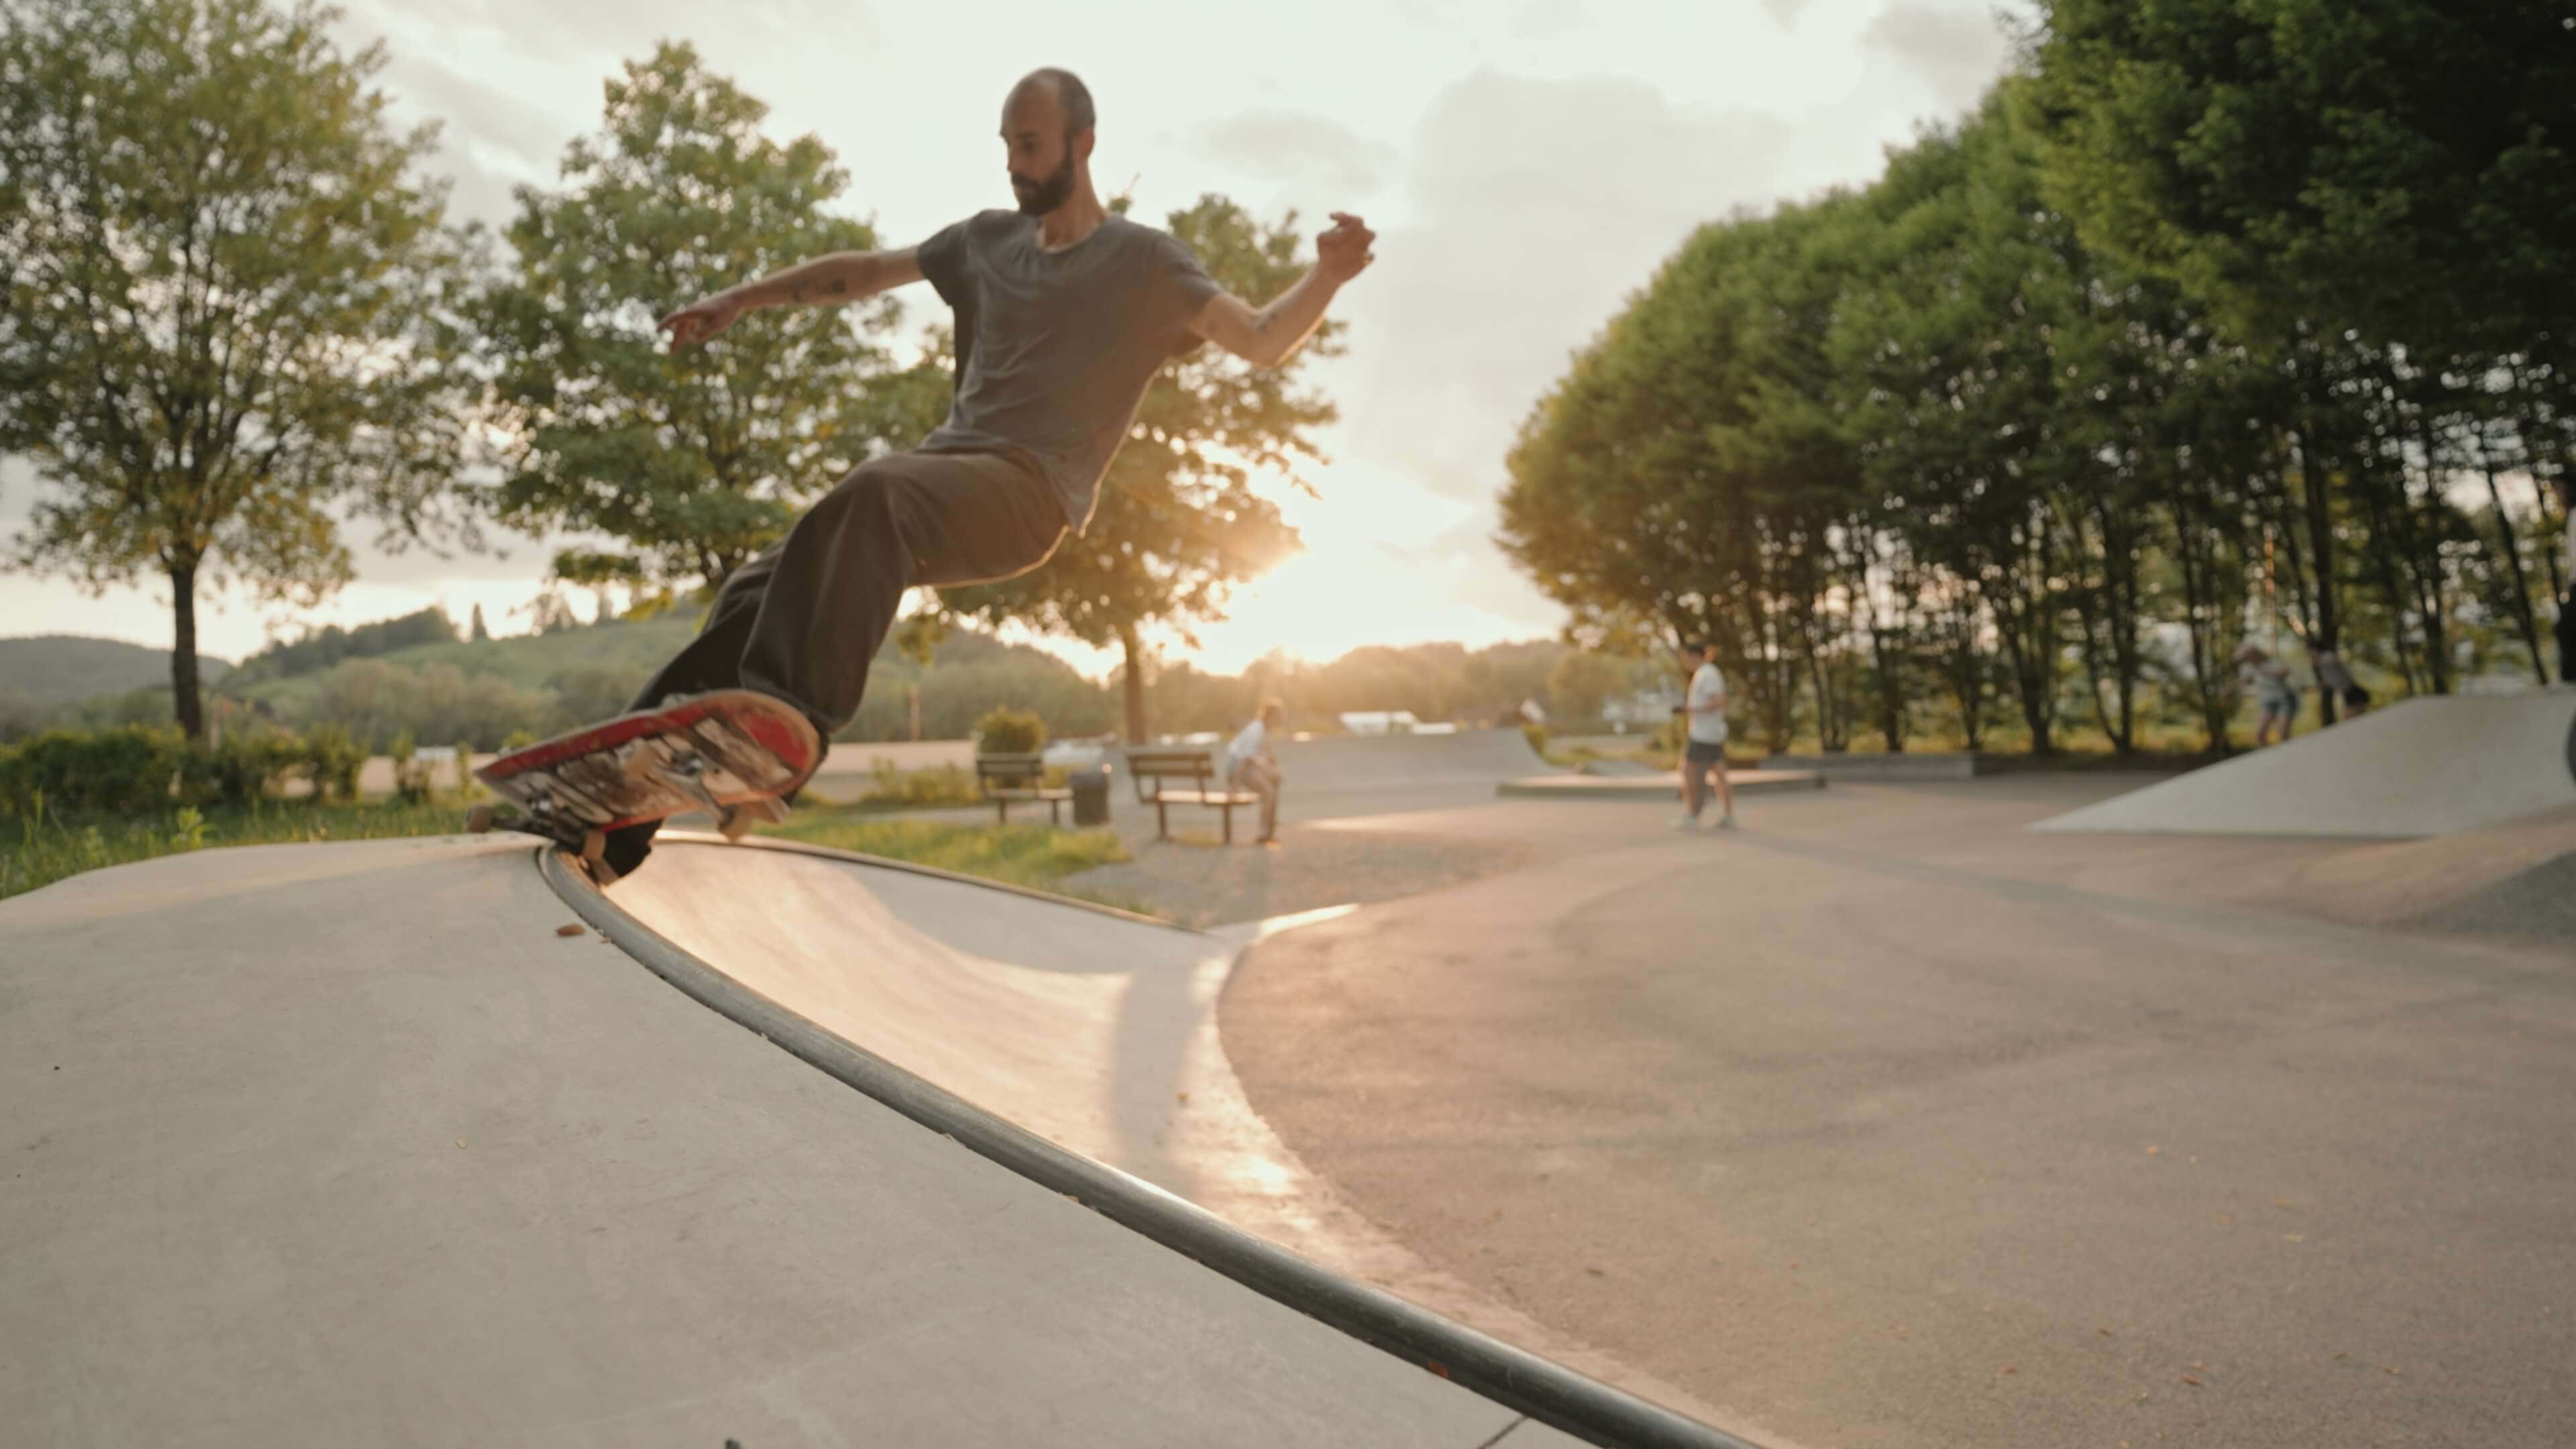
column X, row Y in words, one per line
column 1039, row 198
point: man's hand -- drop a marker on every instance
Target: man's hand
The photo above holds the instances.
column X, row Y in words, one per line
column 1343, row 252
column 699, row 321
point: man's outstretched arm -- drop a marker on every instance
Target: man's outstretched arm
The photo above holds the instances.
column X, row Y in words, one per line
column 1269, row 336
column 827, row 281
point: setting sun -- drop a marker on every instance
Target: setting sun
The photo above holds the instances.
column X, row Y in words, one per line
column 1365, row 576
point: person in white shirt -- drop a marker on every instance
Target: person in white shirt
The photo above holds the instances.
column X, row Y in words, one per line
column 1250, row 765
column 1704, row 742
column 2268, row 679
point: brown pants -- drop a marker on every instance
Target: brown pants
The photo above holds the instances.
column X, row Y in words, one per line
column 805, row 619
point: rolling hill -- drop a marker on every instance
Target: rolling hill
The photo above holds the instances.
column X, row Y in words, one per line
column 60, row 668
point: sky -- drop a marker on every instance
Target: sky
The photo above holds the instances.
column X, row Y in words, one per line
column 1525, row 163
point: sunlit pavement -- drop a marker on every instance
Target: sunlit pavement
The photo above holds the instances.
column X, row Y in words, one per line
column 1884, row 1120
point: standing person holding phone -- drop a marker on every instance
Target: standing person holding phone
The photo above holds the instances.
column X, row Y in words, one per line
column 1704, row 740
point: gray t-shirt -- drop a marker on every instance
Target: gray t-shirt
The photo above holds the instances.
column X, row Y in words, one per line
column 1055, row 348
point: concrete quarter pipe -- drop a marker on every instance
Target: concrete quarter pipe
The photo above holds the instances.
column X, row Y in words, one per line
column 2426, row 766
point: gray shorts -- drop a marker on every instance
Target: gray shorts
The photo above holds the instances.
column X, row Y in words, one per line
column 1700, row 752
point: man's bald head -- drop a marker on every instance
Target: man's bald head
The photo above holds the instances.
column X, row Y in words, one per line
column 1046, row 126
column 1072, row 98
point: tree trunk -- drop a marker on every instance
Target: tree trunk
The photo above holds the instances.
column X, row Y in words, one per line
column 2525, row 616
column 1134, row 684
column 184, row 693
column 2321, row 553
column 912, row 700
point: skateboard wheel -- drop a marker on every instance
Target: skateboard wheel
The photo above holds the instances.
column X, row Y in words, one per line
column 594, row 844
column 479, row 819
column 735, row 823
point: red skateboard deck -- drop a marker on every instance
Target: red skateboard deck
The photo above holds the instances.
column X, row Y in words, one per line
column 731, row 753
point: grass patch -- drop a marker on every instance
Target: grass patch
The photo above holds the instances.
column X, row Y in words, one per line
column 39, row 848
column 1037, row 856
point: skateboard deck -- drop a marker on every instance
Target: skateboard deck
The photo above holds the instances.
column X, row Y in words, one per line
column 731, row 753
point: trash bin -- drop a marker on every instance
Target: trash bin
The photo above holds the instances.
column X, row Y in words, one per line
column 1090, row 786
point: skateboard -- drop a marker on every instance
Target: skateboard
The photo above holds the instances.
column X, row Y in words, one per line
column 732, row 753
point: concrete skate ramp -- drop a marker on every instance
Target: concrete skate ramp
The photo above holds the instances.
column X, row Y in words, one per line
column 2423, row 767
column 1077, row 1024
column 348, row 1144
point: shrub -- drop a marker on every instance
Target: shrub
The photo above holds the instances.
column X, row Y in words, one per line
column 899, row 788
column 335, row 760
column 243, row 768
column 519, row 740
column 466, row 784
column 1007, row 731
column 412, row 783
column 130, row 770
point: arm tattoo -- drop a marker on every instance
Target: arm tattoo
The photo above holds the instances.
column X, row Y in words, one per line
column 840, row 285
column 796, row 293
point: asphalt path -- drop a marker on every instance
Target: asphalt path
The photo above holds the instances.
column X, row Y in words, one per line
column 1887, row 1121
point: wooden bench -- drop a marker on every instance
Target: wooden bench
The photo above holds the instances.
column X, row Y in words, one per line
column 1008, row 778
column 1199, row 769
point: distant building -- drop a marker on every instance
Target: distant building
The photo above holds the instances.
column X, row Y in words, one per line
column 1381, row 722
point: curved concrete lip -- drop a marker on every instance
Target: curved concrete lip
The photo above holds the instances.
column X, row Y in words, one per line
column 1088, row 1064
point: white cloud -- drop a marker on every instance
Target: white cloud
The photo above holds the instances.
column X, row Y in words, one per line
column 1300, row 150
column 1958, row 53
column 1537, row 205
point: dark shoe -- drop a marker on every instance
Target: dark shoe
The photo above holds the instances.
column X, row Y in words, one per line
column 628, row 845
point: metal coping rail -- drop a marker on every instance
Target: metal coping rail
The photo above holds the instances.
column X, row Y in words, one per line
column 1512, row 1377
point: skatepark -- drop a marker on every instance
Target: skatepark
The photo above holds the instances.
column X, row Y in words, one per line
column 2038, row 1109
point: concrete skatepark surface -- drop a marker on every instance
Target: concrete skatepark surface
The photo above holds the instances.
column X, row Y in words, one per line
column 1811, row 1132
column 1888, row 1121
column 346, row 1144
column 1659, row 785
column 2419, row 767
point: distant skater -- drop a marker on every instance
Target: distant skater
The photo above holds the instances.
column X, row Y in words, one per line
column 2335, row 681
column 1064, row 314
column 1252, row 763
column 2269, row 680
column 1704, row 740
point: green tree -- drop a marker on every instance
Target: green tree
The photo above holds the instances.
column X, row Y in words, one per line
column 918, row 639
column 1583, row 681
column 692, row 462
column 2403, row 167
column 1615, row 506
column 230, row 313
column 1180, row 521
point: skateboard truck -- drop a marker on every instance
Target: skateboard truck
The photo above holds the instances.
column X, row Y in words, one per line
column 587, row 843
